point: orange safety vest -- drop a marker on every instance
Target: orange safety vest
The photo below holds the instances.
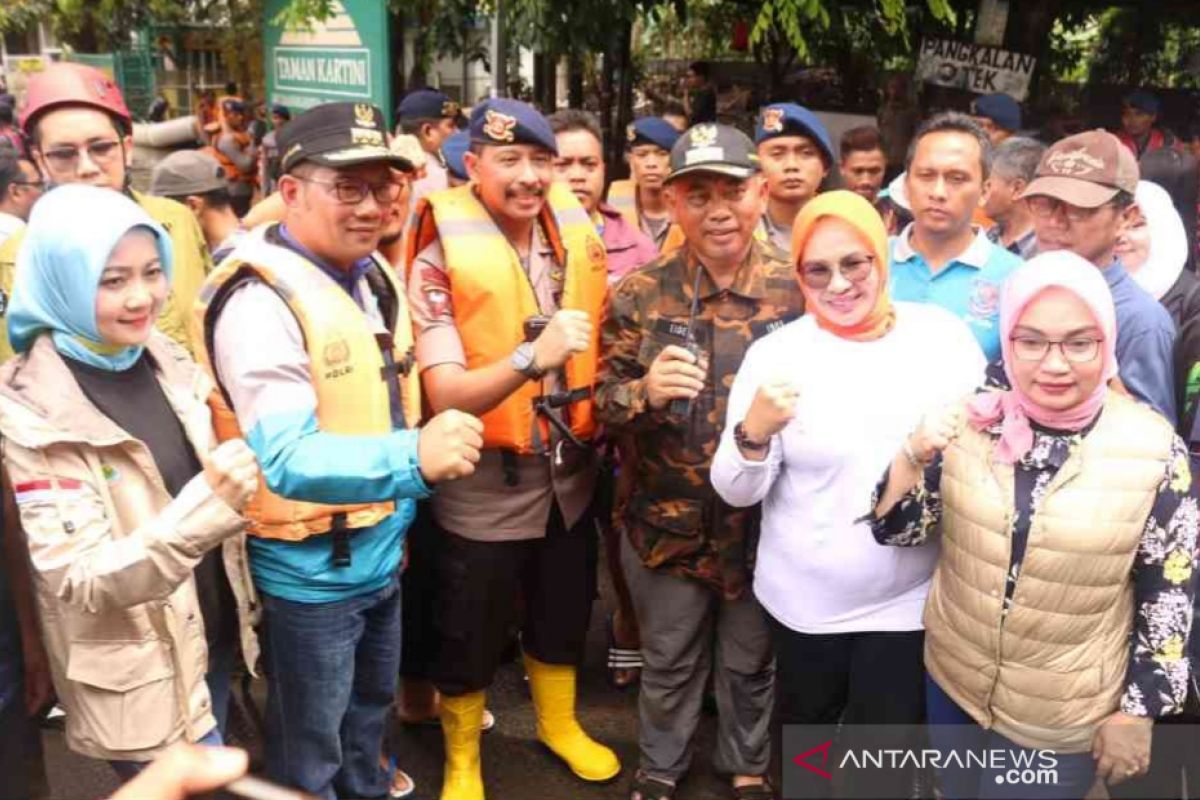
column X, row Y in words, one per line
column 347, row 369
column 622, row 196
column 232, row 173
column 492, row 297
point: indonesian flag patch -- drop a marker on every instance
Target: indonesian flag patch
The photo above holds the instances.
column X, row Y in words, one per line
column 47, row 491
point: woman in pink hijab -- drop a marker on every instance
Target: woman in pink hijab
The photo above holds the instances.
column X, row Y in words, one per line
column 1060, row 606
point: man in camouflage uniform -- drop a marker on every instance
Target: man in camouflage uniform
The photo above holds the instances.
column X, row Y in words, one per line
column 674, row 337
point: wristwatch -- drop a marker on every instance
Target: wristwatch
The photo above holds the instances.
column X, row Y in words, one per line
column 745, row 442
column 522, row 361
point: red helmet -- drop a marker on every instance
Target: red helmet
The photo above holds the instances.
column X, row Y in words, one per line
column 65, row 84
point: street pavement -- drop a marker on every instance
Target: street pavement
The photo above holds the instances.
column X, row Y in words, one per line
column 515, row 766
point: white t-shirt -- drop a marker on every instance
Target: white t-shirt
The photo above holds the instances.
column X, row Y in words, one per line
column 818, row 571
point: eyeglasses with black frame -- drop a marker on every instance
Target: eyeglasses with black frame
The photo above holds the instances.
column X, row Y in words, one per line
column 351, row 192
column 1076, row 349
column 819, row 274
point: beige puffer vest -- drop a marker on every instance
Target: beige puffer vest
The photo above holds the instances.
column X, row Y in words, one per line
column 1056, row 666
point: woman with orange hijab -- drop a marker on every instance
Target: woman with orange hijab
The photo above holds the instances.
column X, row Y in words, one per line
column 816, row 412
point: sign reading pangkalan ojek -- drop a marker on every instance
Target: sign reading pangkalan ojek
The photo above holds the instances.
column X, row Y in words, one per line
column 343, row 58
column 975, row 67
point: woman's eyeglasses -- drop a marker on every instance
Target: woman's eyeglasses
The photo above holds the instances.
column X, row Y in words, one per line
column 819, row 274
column 1077, row 350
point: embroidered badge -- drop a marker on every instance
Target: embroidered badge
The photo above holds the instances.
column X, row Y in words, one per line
column 703, row 136
column 772, row 120
column 500, row 127
column 630, row 132
column 364, row 115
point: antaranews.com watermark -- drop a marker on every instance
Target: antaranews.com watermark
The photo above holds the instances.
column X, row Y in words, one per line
column 875, row 762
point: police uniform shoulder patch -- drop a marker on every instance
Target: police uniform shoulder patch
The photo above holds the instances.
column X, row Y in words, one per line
column 595, row 253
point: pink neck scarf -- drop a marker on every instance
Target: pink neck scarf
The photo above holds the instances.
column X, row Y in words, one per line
column 1013, row 409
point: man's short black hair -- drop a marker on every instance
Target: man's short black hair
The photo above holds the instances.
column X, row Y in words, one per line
column 231, row 87
column 575, row 119
column 10, row 170
column 7, row 115
column 673, row 108
column 863, row 139
column 953, row 122
column 217, row 198
column 413, row 125
column 700, row 68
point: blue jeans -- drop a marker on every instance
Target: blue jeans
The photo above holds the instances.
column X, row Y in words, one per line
column 221, row 661
column 127, row 770
column 331, row 670
column 1076, row 771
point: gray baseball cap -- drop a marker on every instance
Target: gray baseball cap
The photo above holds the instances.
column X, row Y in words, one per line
column 186, row 172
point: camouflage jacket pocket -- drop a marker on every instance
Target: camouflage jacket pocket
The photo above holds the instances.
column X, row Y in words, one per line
column 679, row 516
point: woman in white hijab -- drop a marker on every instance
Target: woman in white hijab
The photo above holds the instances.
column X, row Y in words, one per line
column 1154, row 249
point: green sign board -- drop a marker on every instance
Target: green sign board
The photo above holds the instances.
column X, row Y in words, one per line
column 344, row 58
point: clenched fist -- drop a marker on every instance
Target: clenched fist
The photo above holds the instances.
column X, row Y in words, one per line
column 674, row 375
column 232, row 472
column 773, row 407
column 935, row 433
column 448, row 446
column 568, row 332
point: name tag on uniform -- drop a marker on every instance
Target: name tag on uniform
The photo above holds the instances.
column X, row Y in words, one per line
column 763, row 327
column 674, row 328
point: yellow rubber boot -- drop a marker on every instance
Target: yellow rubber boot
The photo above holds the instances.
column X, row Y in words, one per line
column 553, row 690
column 462, row 724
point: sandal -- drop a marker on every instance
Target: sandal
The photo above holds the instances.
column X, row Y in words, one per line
column 754, row 791
column 621, row 659
column 647, row 788
column 397, row 773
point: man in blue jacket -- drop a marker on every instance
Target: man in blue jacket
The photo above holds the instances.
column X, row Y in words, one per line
column 305, row 331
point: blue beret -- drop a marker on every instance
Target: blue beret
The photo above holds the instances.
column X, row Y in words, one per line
column 1000, row 109
column 426, row 104
column 652, row 130
column 501, row 121
column 453, row 150
column 1143, row 101
column 789, row 119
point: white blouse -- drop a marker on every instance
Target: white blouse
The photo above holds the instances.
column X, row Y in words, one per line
column 818, row 570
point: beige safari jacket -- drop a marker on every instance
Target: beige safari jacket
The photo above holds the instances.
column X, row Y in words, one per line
column 112, row 554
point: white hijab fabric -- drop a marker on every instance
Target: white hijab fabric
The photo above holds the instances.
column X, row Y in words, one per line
column 1168, row 240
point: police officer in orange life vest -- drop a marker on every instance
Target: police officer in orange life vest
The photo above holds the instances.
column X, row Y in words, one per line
column 507, row 283
column 304, row 330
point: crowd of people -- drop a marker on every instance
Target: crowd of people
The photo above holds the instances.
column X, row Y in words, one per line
column 863, row 454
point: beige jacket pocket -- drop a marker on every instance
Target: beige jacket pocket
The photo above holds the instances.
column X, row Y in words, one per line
column 124, row 691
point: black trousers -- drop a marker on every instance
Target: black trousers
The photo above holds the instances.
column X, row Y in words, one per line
column 419, row 595
column 554, row 576
column 861, row 680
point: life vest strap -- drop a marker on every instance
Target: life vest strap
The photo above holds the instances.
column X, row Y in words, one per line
column 341, row 540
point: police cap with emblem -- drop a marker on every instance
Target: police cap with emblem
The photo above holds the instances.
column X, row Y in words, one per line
column 337, row 135
column 711, row 147
column 652, row 130
column 501, row 121
column 789, row 119
column 427, row 104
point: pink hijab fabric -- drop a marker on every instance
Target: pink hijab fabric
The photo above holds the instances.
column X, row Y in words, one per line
column 1013, row 409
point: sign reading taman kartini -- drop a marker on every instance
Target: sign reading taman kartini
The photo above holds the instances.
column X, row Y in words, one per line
column 975, row 67
column 345, row 57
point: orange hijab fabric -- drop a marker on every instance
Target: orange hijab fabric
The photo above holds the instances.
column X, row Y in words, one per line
column 862, row 216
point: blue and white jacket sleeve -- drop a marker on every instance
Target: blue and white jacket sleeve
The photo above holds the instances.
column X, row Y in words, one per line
column 261, row 362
